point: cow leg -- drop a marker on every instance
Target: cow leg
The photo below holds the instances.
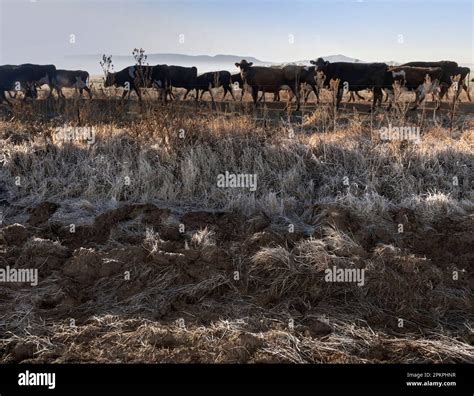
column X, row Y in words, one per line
column 187, row 91
column 466, row 88
column 161, row 92
column 390, row 95
column 296, row 92
column 169, row 92
column 212, row 95
column 316, row 92
column 4, row 98
column 377, row 93
column 461, row 86
column 436, row 99
column 255, row 95
column 306, row 96
column 229, row 88
column 166, row 89
column 51, row 89
column 420, row 96
column 164, row 94
column 30, row 92
column 339, row 94
column 89, row 91
column 444, row 91
column 380, row 98
column 139, row 94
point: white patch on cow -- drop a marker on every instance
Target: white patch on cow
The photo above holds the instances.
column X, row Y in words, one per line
column 159, row 83
column 131, row 71
column 427, row 87
column 400, row 73
column 320, row 78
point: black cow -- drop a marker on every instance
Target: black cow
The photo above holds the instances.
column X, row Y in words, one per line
column 77, row 79
column 182, row 77
column 24, row 78
column 269, row 79
column 136, row 77
column 353, row 76
column 205, row 82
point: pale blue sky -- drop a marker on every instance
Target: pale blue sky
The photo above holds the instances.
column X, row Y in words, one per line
column 369, row 30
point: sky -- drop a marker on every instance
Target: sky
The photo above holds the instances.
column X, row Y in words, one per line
column 41, row 31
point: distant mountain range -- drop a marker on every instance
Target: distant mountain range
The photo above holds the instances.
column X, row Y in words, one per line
column 204, row 63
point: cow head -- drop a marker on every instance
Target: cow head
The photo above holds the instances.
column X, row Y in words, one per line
column 319, row 63
column 109, row 80
column 244, row 67
column 398, row 74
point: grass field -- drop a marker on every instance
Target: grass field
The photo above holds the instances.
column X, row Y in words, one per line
column 143, row 257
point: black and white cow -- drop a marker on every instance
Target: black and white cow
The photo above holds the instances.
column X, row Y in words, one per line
column 422, row 80
column 449, row 68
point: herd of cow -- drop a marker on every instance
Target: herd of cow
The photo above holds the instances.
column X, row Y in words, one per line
column 422, row 77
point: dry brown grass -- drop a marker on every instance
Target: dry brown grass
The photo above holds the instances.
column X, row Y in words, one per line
column 190, row 275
